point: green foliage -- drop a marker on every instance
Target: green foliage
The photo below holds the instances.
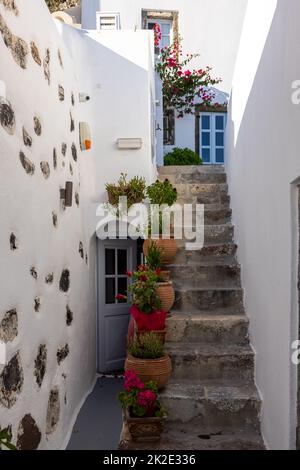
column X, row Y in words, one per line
column 143, row 290
column 181, row 85
column 134, row 190
column 5, row 439
column 154, row 257
column 182, row 157
column 162, row 192
column 147, row 346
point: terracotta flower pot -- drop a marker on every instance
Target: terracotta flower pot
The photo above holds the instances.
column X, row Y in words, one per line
column 145, row 429
column 158, row 370
column 161, row 334
column 168, row 247
column 166, row 293
column 165, row 276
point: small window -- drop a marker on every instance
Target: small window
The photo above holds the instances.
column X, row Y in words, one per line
column 108, row 21
column 169, row 127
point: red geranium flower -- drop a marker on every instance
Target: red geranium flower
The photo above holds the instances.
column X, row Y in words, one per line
column 121, row 297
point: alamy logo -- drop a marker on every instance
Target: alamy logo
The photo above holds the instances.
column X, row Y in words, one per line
column 182, row 222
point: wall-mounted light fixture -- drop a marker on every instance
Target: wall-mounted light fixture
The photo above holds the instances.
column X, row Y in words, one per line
column 85, row 136
column 66, row 194
column 130, row 144
column 83, row 97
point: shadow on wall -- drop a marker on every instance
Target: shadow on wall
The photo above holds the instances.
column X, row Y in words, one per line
column 262, row 161
column 121, row 89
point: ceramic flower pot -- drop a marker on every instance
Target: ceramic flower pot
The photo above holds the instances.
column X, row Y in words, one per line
column 145, row 429
column 166, row 293
column 168, row 247
column 158, row 370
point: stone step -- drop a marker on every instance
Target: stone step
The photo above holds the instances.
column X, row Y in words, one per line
column 187, row 436
column 208, row 299
column 218, row 216
column 193, row 174
column 211, row 362
column 202, row 275
column 184, row 437
column 225, row 405
column 225, row 252
column 205, row 328
column 213, row 235
column 202, row 193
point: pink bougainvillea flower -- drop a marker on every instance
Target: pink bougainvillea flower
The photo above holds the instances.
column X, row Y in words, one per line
column 187, row 73
column 158, row 272
column 132, row 381
column 129, row 273
column 143, row 278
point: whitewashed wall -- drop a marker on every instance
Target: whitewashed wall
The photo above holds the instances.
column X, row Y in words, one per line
column 211, row 28
column 48, row 324
column 263, row 165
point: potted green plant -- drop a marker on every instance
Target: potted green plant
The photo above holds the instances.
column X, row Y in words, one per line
column 134, row 190
column 147, row 357
column 144, row 414
column 161, row 193
column 146, row 310
column 164, row 287
column 154, row 261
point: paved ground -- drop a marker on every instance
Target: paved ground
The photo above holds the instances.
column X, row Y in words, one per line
column 99, row 422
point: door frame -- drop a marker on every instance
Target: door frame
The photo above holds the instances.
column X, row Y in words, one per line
column 100, row 290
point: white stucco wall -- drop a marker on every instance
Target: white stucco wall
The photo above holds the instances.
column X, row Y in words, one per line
column 263, row 164
column 122, row 91
column 209, row 27
column 117, row 73
column 26, row 206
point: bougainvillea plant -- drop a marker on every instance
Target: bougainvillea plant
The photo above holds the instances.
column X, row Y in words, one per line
column 183, row 86
column 139, row 399
column 157, row 34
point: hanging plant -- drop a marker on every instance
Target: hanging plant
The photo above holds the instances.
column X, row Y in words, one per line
column 181, row 85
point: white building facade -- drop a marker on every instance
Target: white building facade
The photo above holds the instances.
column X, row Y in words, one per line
column 210, row 28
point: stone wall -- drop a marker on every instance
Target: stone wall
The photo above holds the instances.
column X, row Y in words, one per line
column 47, row 297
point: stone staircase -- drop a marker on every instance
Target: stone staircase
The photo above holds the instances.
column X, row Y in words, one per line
column 212, row 399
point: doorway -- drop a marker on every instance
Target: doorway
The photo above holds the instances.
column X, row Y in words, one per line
column 115, row 258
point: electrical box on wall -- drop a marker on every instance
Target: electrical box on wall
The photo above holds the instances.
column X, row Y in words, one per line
column 85, row 136
column 129, row 143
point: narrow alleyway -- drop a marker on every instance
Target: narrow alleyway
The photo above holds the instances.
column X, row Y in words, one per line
column 99, row 422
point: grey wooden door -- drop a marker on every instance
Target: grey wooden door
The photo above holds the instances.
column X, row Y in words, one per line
column 115, row 258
